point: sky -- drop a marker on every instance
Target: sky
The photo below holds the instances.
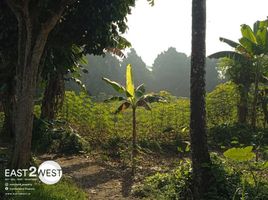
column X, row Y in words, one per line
column 153, row 30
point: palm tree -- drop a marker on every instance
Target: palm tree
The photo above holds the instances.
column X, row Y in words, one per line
column 132, row 98
column 202, row 175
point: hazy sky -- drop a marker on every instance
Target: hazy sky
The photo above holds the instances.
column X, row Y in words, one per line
column 154, row 29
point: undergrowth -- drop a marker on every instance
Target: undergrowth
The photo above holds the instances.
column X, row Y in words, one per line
column 57, row 137
column 230, row 183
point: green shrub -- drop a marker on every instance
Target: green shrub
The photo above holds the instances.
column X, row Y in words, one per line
column 151, row 145
column 57, row 137
column 222, row 104
column 230, row 183
column 96, row 122
column 253, row 184
column 173, row 185
column 162, row 128
column 237, row 135
column 116, row 146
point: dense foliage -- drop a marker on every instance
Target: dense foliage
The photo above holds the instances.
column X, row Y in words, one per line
column 234, row 181
column 167, row 124
column 57, row 137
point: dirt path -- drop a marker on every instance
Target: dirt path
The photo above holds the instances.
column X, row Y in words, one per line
column 108, row 180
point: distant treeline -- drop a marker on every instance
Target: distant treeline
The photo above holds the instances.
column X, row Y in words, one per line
column 170, row 72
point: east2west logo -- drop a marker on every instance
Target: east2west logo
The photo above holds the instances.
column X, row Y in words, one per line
column 49, row 172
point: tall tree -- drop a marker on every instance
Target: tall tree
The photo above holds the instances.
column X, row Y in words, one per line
column 171, row 71
column 34, row 26
column 80, row 35
column 202, row 175
column 35, row 21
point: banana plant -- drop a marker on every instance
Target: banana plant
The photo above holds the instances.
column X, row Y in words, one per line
column 251, row 48
column 133, row 98
column 254, row 42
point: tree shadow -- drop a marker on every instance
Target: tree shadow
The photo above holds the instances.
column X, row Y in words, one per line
column 127, row 183
column 93, row 180
column 106, row 174
column 76, row 167
column 88, row 179
column 91, row 174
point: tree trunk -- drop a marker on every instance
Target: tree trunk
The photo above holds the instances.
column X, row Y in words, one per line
column 254, row 103
column 53, row 97
column 8, row 97
column 7, row 103
column 32, row 38
column 26, row 74
column 23, row 129
column 264, row 102
column 202, row 174
column 134, row 141
column 265, row 113
column 243, row 104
